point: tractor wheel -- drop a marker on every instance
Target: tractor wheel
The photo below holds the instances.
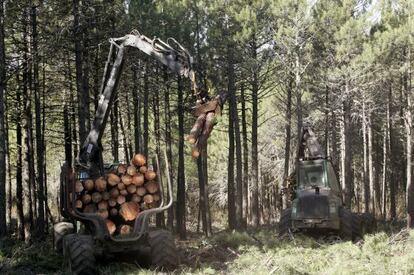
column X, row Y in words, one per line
column 358, row 230
column 163, row 250
column 60, row 230
column 345, row 230
column 285, row 221
column 369, row 222
column 78, row 254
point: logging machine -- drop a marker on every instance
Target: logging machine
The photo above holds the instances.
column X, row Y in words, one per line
column 81, row 245
column 315, row 194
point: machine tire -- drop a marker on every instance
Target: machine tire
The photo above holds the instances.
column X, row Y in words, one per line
column 60, row 230
column 345, row 230
column 78, row 254
column 285, row 221
column 358, row 231
column 368, row 222
column 163, row 251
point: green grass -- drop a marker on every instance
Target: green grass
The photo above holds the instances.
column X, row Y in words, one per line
column 259, row 252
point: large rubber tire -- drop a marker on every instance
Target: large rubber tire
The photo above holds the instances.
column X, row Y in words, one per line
column 368, row 222
column 358, row 231
column 345, row 230
column 60, row 230
column 78, row 254
column 163, row 251
column 285, row 221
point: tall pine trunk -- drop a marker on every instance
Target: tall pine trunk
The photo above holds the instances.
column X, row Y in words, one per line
column 245, row 158
column 83, row 96
column 40, row 223
column 181, row 209
column 3, row 223
column 255, row 152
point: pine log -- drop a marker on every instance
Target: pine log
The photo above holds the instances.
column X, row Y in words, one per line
column 141, row 191
column 150, row 175
column 113, row 179
column 121, row 169
column 156, row 197
column 132, row 189
column 96, row 197
column 139, row 160
column 195, row 153
column 138, row 179
column 78, row 186
column 121, row 199
column 106, row 196
column 152, row 187
column 132, row 170
column 143, row 169
column 89, row 184
column 148, row 198
column 78, row 204
column 129, row 211
column 125, row 229
column 135, row 198
column 208, row 127
column 86, row 198
column 114, row 192
column 100, row 184
column 121, row 186
column 90, row 209
column 113, row 212
column 126, row 179
column 197, row 129
column 112, row 202
column 103, row 205
column 123, row 192
column 111, row 226
column 103, row 213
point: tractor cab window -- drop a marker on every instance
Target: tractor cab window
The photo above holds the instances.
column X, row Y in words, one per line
column 311, row 175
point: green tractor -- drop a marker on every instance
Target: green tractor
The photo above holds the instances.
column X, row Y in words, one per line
column 316, row 199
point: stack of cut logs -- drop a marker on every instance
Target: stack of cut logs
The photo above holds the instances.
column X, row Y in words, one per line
column 120, row 195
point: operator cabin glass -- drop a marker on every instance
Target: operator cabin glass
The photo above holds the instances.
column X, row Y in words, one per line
column 312, row 175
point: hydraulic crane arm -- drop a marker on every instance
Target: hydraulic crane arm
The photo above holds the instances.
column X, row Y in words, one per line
column 309, row 140
column 176, row 58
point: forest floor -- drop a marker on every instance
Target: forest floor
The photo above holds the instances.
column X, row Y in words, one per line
column 389, row 251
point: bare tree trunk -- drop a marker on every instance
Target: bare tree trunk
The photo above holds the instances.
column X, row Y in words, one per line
column 393, row 173
column 114, row 130
column 346, row 156
column 234, row 118
column 367, row 193
column 124, row 138
column 40, row 222
column 181, row 209
column 160, row 219
column 408, row 130
column 255, row 152
column 28, row 142
column 231, row 204
column 167, row 119
column 146, row 107
column 370, row 165
column 245, row 159
column 3, row 223
column 19, row 166
column 288, row 136
column 137, row 113
column 83, row 96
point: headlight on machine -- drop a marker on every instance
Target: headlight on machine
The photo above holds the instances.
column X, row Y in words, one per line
column 332, row 208
column 294, row 209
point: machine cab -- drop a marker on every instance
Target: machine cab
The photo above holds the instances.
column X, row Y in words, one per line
column 317, row 173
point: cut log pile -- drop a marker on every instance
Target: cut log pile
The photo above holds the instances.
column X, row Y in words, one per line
column 120, row 195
